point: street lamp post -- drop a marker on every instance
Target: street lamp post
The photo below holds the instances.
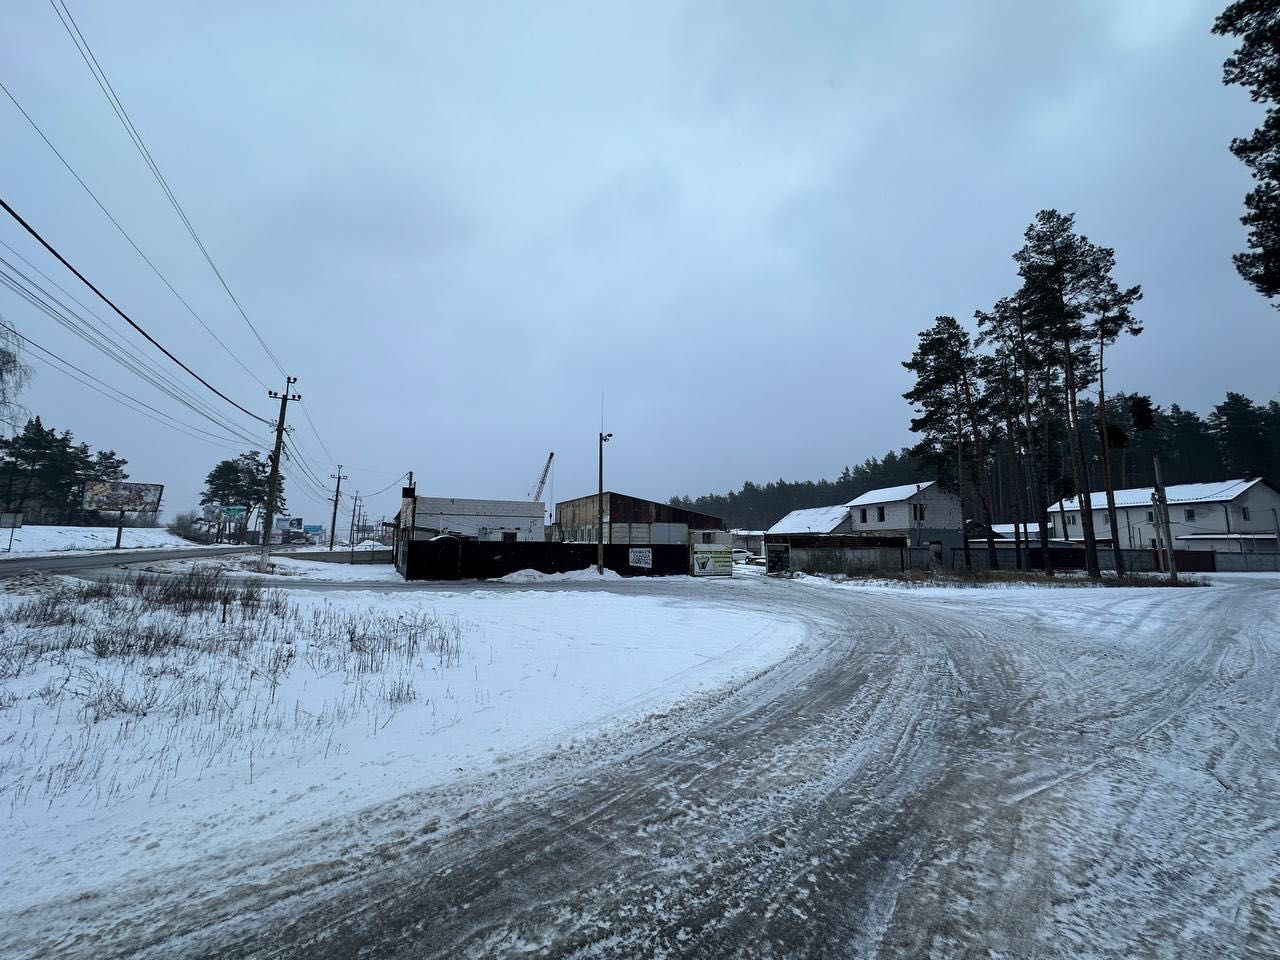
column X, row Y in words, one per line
column 604, row 438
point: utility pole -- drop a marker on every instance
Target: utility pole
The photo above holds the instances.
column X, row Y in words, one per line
column 337, row 493
column 604, row 438
column 351, row 539
column 1162, row 516
column 269, row 512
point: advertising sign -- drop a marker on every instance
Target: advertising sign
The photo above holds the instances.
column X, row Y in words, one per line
column 312, row 528
column 640, row 557
column 712, row 560
column 233, row 511
column 121, row 496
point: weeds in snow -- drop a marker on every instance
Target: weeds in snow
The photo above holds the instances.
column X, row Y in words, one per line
column 116, row 688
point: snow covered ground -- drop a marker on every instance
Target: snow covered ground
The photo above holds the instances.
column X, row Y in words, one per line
column 284, row 569
column 55, row 539
column 304, row 706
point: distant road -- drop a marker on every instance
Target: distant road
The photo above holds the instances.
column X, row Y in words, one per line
column 13, row 564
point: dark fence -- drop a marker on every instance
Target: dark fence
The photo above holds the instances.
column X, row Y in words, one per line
column 446, row 558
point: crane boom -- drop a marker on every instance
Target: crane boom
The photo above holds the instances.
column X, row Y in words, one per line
column 542, row 480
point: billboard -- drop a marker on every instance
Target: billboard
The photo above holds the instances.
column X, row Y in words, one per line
column 122, row 496
column 712, row 560
column 312, row 528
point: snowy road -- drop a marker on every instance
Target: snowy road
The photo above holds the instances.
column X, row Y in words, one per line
column 1017, row 773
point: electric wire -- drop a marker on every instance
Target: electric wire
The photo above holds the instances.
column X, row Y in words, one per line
column 105, row 299
column 104, row 84
column 388, row 486
column 153, row 369
column 43, row 300
column 85, row 378
column 124, row 233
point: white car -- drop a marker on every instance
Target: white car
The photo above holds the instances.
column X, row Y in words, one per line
column 741, row 556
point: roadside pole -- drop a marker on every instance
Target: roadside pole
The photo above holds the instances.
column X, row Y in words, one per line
column 604, row 438
column 337, row 494
column 1162, row 516
column 120, row 530
column 351, row 538
column 264, row 554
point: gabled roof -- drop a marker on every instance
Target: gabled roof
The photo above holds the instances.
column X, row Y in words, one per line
column 813, row 520
column 1219, row 491
column 889, row 494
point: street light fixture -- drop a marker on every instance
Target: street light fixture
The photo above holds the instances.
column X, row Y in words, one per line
column 604, row 438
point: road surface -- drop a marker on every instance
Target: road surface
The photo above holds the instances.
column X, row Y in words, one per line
column 965, row 774
column 73, row 561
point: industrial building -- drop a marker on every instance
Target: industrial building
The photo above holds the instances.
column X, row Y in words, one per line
column 628, row 520
column 422, row 518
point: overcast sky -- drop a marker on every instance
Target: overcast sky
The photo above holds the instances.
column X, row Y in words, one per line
column 459, row 224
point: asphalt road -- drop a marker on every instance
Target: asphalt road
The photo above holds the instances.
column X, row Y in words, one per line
column 1047, row 774
column 73, row 562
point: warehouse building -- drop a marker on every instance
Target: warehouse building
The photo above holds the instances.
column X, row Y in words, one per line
column 629, row 520
column 510, row 521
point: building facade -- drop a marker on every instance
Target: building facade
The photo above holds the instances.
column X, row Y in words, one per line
column 422, row 518
column 628, row 520
column 1239, row 516
column 923, row 513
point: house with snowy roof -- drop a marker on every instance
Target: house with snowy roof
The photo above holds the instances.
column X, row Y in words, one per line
column 924, row 513
column 1240, row 516
column 920, row 513
column 819, row 520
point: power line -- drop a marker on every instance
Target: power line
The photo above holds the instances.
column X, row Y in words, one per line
column 104, row 84
column 312, row 423
column 43, row 300
column 178, row 425
column 388, row 486
column 114, row 222
column 99, row 339
column 103, row 297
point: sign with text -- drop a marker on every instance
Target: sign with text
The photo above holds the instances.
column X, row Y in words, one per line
column 640, row 557
column 122, row 496
column 10, row 521
column 312, row 528
column 712, row 560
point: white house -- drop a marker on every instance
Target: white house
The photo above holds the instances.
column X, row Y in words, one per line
column 814, row 520
column 1236, row 515
column 922, row 512
column 513, row 520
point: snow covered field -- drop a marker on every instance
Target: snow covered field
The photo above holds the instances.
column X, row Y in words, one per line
column 284, row 569
column 55, row 539
column 134, row 735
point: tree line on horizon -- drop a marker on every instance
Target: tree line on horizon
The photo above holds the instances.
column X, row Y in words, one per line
column 1232, row 441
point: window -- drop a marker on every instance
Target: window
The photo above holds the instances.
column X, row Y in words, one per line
column 1071, row 519
column 1244, row 513
column 1189, row 516
column 917, row 512
column 1151, row 516
column 862, row 515
column 1153, row 543
column 880, row 514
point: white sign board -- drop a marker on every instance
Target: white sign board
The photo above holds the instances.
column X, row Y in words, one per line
column 712, row 560
column 640, row 557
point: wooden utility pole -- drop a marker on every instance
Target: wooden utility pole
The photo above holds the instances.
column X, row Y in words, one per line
column 1162, row 517
column 337, row 494
column 264, row 554
column 351, row 539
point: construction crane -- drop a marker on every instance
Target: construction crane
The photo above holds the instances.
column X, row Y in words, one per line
column 542, row 480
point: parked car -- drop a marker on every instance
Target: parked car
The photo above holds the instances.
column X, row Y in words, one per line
column 741, row 556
